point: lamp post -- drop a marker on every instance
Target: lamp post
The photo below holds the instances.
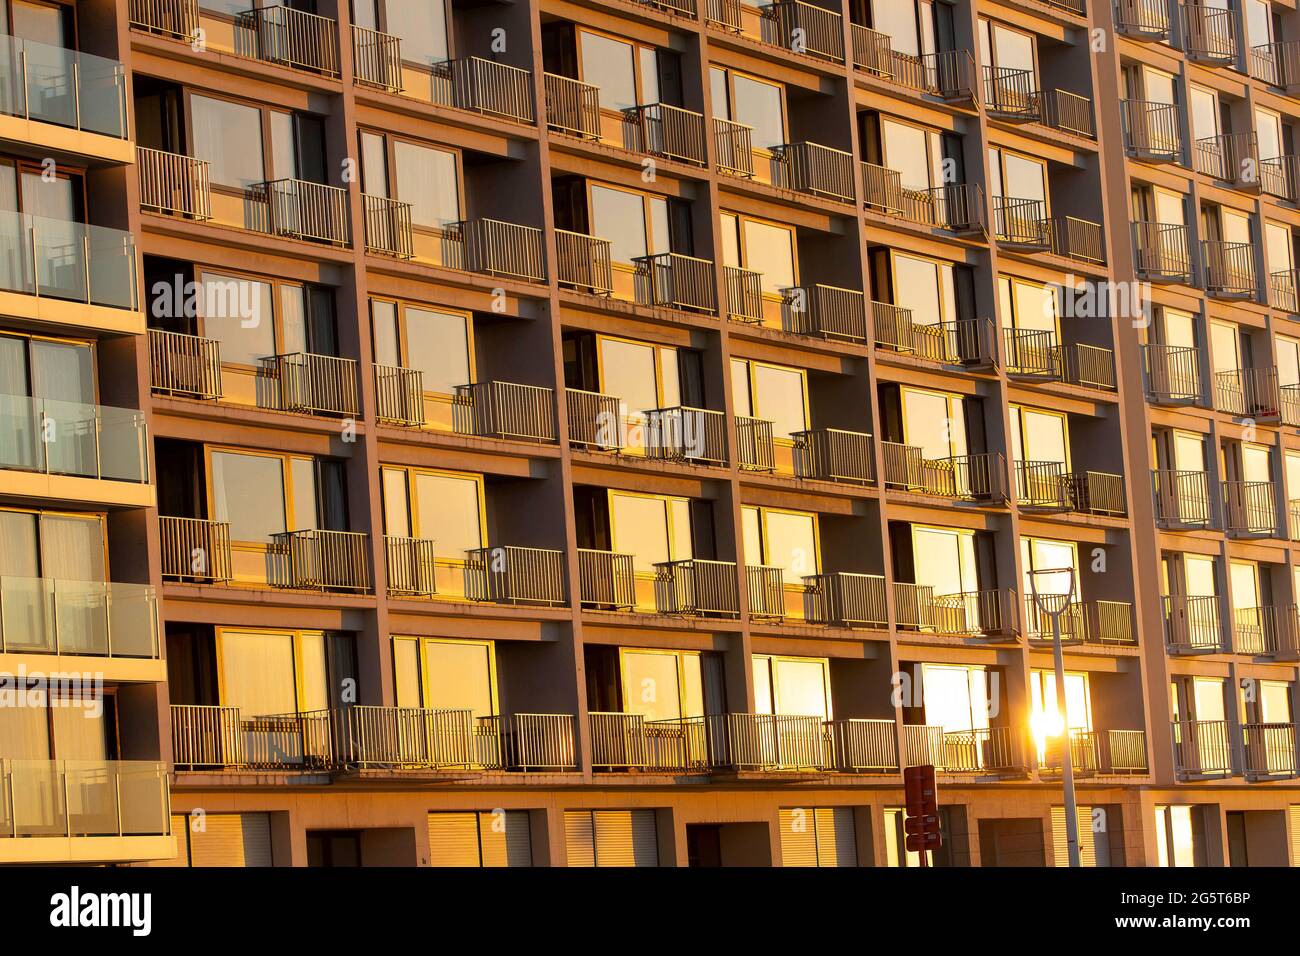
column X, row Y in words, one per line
column 1053, row 593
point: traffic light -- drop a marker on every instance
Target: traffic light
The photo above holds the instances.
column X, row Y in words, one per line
column 922, row 823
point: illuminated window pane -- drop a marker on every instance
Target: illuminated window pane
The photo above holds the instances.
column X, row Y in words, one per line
column 640, row 527
column 448, row 510
column 792, row 545
column 780, row 398
column 769, row 251
column 459, row 677
column 608, row 65
column 238, row 313
column 248, row 492
column 619, row 216
column 437, row 343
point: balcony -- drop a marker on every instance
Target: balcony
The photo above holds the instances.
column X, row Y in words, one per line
column 1255, row 393
column 815, row 170
column 743, row 294
column 1182, row 499
column 967, row 342
column 68, row 261
column 1209, row 34
column 949, row 75
column 804, row 28
column 755, row 444
column 1231, row 158
column 1201, row 749
column 1038, row 354
column 50, row 437
column 78, row 618
column 311, row 384
column 1277, row 64
column 824, row 311
column 1268, row 751
column 1173, row 374
column 178, row 19
column 572, row 107
column 996, row 751
column 1098, row 752
column 514, row 575
column 1083, row 622
column 689, row 435
column 1249, row 508
column 1143, row 19
column 195, row 550
column 174, row 185
column 766, row 742
column 1192, row 625
column 1022, row 224
column 697, row 588
column 1069, row 113
column 606, row 581
column 1229, row 269
column 583, row 263
column 675, row 281
column 289, row 37
column 991, row 614
column 388, row 229
column 1162, row 251
column 297, row 209
column 765, row 593
column 863, row 746
column 956, row 208
column 505, row 410
column 1265, row 632
column 411, row 565
column 1284, row 291
column 833, row 454
column 376, row 59
column 843, row 599
column 319, row 560
column 185, row 366
column 669, row 132
column 1047, row 486
column 1151, row 131
column 49, row 84
column 595, row 420
column 486, row 87
column 502, row 249
column 399, row 396
column 83, row 811
column 740, row 742
column 733, row 143
column 1012, row 95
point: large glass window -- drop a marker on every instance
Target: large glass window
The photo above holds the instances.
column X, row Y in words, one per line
column 956, row 697
column 775, row 393
column 239, row 313
column 635, row 224
column 944, row 559
column 652, row 529
column 797, row 686
column 1039, row 436
column 423, row 29
column 662, row 685
column 781, row 539
column 762, row 247
column 610, row 66
column 935, row 422
column 229, row 137
column 427, row 179
column 926, row 288
column 916, row 154
column 248, row 491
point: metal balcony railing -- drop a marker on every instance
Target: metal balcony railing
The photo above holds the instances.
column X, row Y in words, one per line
column 312, row 384
column 991, row 750
column 1069, row 112
column 765, row 592
column 73, row 438
column 195, row 549
column 824, row 310
column 1248, row 393
column 289, row 37
column 1264, row 631
column 72, row 261
column 963, row 342
column 991, row 613
column 1182, row 498
column 1231, row 157
column 724, row 14
column 1083, row 622
column 502, row 249
column 1124, row 751
column 173, row 185
column 882, row 188
column 1012, row 94
column 1151, row 130
column 1078, row 239
column 583, row 263
column 303, row 210
column 484, row 86
column 950, row 74
column 399, row 396
column 1162, row 251
column 669, row 132
column 184, row 365
column 833, row 454
column 814, row 169
column 1249, row 508
column 1143, row 19
column 84, row 798
column 388, row 227
column 733, row 146
column 923, row 744
column 52, row 84
column 863, row 745
column 412, row 566
column 1277, row 64
column 572, row 107
column 368, row 737
column 744, row 294
column 1192, row 624
column 1021, row 223
column 530, row 742
column 1229, row 268
column 320, row 560
column 376, row 59
column 902, row 466
column 804, row 28
column 755, row 444
column 1284, row 290
column 685, row 434
column 504, row 410
column 80, row 618
column 766, row 742
column 1173, row 374
column 1096, row 492
column 606, row 580
column 1209, row 33
column 1042, row 485
column 595, row 420
column 1085, row 753
column 506, row 574
column 844, row 599
column 1202, row 749
column 958, row 207
column 623, row 742
column 697, row 588
column 1268, row 750
column 178, row 19
column 675, row 281
column 980, row 477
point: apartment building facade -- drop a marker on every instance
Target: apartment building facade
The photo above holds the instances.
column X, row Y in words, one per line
column 604, row 432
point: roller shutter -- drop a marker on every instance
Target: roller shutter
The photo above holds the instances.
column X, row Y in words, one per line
column 818, row 836
column 453, row 839
column 1061, row 843
column 612, row 838
column 798, row 837
column 1293, row 812
column 579, row 838
column 505, row 839
column 231, row 839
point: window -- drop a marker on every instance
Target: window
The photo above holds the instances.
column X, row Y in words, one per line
column 447, row 507
column 1225, row 347
column 926, row 287
column 636, row 224
column 445, row 674
column 662, row 685
column 438, row 343
column 794, row 686
column 273, row 672
column 1040, row 436
column 1028, row 306
column 1279, row 251
column 775, row 393
column 254, row 319
column 782, row 539
column 1203, row 104
column 1045, row 720
column 228, row 136
column 956, row 697
column 38, row 548
column 762, row 247
column 751, row 102
column 1003, row 48
column 651, row 528
column 944, row 559
column 641, row 375
column 481, row 838
column 935, row 422
column 428, row 179
column 1017, row 177
column 627, row 74
column 251, row 493
column 915, row 153
column 1175, row 837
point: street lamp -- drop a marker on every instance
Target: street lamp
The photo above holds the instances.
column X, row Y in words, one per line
column 1053, row 593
